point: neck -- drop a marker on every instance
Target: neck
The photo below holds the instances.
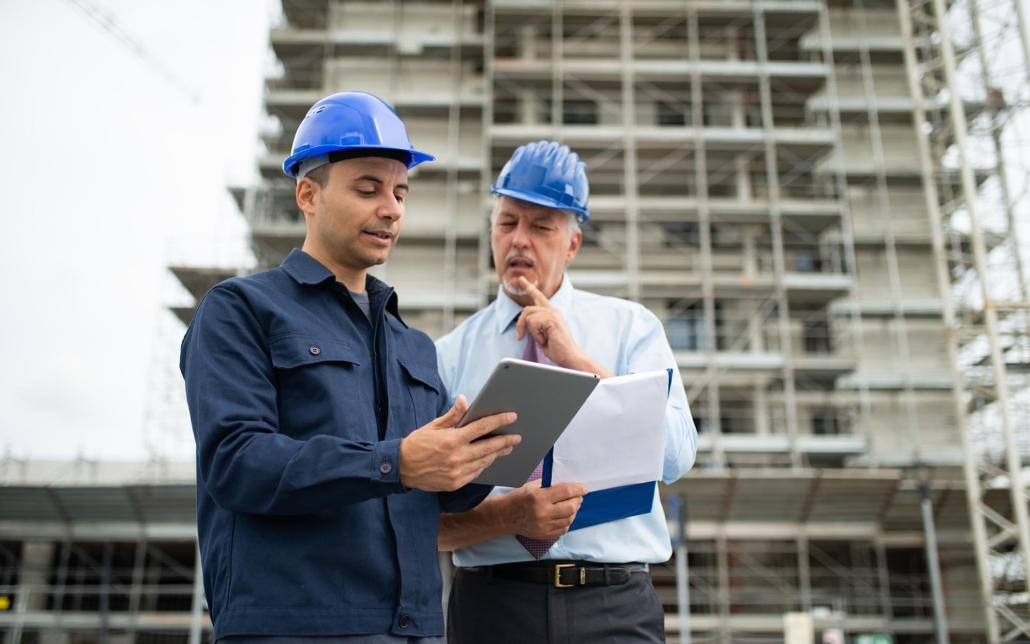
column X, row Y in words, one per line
column 352, row 278
column 521, row 300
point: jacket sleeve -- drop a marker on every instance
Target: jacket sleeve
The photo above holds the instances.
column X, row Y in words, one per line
column 243, row 461
column 468, row 497
column 649, row 350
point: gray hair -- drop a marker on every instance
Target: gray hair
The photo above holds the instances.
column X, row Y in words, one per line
column 570, row 217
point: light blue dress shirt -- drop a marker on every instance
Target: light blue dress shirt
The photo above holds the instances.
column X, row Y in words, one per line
column 624, row 338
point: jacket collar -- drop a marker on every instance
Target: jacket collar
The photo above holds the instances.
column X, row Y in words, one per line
column 508, row 310
column 306, row 270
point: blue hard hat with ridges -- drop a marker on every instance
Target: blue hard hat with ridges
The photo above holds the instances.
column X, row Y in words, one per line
column 549, row 174
column 348, row 121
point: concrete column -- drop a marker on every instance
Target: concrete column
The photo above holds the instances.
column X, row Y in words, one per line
column 153, row 579
column 743, row 177
column 761, row 409
column 138, row 570
column 528, row 107
column 723, row 563
column 527, row 42
column 36, row 557
column 804, row 573
column 105, row 593
column 197, row 613
column 32, row 580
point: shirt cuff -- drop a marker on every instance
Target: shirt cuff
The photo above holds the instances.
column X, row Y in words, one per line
column 386, row 464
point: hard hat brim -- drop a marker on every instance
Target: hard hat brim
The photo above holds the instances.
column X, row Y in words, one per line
column 582, row 215
column 291, row 164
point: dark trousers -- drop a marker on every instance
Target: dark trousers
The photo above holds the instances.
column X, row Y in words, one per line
column 488, row 610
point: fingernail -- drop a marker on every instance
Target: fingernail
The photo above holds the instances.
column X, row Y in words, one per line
column 518, row 439
column 511, row 417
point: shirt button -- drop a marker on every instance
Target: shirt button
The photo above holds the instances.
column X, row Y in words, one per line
column 314, row 350
column 386, row 467
column 404, row 621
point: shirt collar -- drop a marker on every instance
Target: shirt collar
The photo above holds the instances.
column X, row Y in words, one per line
column 305, row 269
column 508, row 309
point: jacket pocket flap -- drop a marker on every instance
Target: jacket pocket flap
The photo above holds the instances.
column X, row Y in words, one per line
column 423, row 373
column 290, row 351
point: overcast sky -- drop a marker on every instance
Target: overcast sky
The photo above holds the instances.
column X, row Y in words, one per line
column 106, row 168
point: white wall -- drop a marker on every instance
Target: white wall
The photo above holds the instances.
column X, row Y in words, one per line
column 889, row 429
column 426, row 210
column 882, row 351
column 907, row 214
column 916, row 273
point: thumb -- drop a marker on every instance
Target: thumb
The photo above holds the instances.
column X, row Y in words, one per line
column 455, row 413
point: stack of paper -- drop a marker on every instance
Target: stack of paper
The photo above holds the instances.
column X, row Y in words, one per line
column 615, row 446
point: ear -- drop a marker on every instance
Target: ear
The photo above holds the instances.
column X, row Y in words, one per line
column 574, row 243
column 307, row 195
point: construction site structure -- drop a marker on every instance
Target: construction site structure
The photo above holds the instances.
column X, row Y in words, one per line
column 821, row 201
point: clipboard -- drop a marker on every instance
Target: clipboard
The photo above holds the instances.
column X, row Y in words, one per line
column 612, row 503
column 546, row 399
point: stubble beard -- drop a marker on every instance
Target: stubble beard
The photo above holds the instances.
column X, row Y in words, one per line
column 511, row 285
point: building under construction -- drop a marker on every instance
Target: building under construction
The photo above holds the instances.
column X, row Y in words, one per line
column 819, row 198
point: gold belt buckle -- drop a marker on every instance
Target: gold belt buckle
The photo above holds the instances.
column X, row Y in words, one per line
column 557, row 576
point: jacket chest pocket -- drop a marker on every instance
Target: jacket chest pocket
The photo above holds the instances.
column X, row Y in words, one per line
column 321, row 383
column 423, row 384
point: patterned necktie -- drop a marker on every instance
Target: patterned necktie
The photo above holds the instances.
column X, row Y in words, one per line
column 536, row 547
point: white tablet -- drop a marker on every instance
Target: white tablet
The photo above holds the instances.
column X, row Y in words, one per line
column 546, row 399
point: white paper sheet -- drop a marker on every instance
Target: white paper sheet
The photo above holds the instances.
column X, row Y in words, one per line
column 618, row 436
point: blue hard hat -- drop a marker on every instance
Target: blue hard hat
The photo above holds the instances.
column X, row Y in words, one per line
column 546, row 173
column 349, row 121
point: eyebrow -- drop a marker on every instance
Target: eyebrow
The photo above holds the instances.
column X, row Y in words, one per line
column 532, row 218
column 374, row 179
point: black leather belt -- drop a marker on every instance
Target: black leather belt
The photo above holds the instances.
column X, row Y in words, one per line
column 563, row 574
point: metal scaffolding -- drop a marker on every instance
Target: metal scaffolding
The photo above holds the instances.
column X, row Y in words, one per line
column 820, row 199
column 986, row 321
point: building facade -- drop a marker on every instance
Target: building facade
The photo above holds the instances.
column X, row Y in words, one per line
column 795, row 188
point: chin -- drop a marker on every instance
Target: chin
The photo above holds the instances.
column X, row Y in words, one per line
column 513, row 288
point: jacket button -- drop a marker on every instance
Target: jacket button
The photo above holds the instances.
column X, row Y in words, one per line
column 386, row 467
column 404, row 621
column 314, row 350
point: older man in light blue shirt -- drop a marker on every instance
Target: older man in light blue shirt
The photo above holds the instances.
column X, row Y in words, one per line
column 513, row 588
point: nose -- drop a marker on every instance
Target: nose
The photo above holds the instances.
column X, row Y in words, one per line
column 520, row 239
column 391, row 210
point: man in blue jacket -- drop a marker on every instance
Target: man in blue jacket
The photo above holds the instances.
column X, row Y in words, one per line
column 325, row 447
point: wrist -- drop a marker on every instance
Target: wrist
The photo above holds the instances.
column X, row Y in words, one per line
column 498, row 514
column 583, row 362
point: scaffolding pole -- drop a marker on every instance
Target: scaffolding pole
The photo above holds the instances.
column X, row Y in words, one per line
column 969, row 190
column 933, row 563
column 776, row 228
column 932, row 201
column 705, row 231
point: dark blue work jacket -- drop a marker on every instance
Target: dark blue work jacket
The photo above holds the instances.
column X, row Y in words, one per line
column 298, row 413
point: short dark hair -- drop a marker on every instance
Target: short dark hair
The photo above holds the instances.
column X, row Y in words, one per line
column 320, row 175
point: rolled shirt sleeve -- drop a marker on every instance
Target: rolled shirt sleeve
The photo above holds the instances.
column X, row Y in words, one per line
column 649, row 350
